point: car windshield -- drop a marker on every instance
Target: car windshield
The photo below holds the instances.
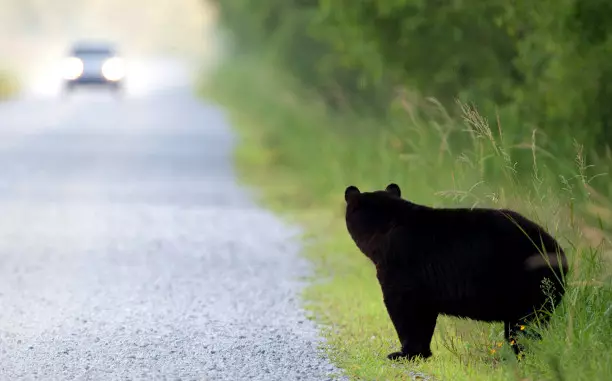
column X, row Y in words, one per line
column 93, row 52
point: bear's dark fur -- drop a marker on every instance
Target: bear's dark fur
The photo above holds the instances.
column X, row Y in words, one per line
column 482, row 264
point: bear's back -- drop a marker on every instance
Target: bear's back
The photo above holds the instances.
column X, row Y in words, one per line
column 448, row 232
column 470, row 262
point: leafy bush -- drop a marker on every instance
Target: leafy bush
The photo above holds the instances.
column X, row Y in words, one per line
column 541, row 65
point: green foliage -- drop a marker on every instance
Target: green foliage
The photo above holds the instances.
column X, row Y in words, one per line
column 541, row 64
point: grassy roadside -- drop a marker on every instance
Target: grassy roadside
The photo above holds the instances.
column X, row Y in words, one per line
column 302, row 157
column 8, row 84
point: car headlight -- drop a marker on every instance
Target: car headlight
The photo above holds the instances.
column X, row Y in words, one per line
column 73, row 68
column 113, row 69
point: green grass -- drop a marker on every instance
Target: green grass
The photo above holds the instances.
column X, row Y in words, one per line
column 301, row 157
column 8, row 84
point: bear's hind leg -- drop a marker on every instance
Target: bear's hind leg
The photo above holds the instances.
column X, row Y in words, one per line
column 414, row 324
column 510, row 334
column 513, row 331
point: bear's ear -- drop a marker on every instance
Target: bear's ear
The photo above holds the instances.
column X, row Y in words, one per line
column 394, row 189
column 350, row 192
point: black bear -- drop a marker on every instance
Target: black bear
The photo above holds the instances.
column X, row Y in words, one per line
column 483, row 264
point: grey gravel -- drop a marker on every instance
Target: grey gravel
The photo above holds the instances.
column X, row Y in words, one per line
column 129, row 252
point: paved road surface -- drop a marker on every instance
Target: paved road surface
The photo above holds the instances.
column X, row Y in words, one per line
column 127, row 250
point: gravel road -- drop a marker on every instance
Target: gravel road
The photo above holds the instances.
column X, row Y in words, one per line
column 129, row 252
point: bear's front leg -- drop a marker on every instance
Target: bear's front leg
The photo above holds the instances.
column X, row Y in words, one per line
column 414, row 321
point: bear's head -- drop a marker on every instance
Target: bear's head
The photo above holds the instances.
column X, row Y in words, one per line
column 370, row 216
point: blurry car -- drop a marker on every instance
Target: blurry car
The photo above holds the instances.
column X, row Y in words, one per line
column 94, row 64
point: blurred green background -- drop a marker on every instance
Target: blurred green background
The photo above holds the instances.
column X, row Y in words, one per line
column 534, row 65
